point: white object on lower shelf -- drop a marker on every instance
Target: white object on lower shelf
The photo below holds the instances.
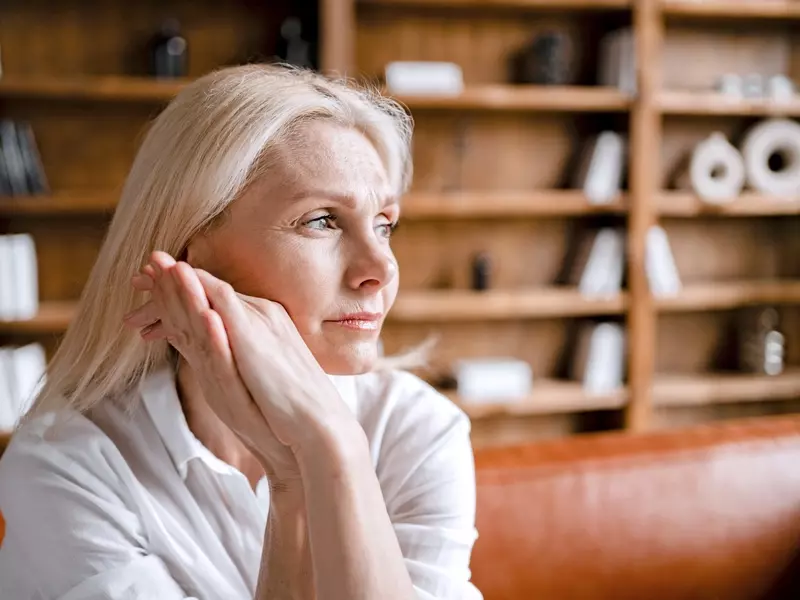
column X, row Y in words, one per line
column 22, row 372
column 605, row 267
column 424, row 77
column 493, row 380
column 19, row 282
column 600, row 358
column 602, row 167
column 660, row 267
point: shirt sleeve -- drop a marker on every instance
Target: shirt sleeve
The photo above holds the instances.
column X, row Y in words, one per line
column 70, row 532
column 427, row 472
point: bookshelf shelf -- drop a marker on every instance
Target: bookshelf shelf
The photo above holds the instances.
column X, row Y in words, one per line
column 466, row 305
column 53, row 317
column 548, row 397
column 94, row 88
column 532, row 4
column 679, row 102
column 722, row 295
column 687, row 204
column 62, row 203
column 496, row 97
column 752, row 9
column 491, row 204
column 691, row 390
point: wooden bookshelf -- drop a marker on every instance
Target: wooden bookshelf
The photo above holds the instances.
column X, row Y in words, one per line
column 524, row 98
column 489, row 205
column 457, row 305
column 491, row 165
column 679, row 102
column 93, row 88
column 52, row 317
column 61, row 203
column 733, row 9
column 548, row 397
column 687, row 204
column 723, row 295
column 519, row 4
column 694, row 390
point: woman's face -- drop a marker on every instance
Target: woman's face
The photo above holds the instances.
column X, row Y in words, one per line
column 314, row 236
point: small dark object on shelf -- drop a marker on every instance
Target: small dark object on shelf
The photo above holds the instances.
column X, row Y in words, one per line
column 481, row 272
column 548, row 59
column 169, row 52
column 292, row 48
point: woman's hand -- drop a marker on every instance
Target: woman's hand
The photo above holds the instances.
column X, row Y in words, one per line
column 295, row 396
column 181, row 312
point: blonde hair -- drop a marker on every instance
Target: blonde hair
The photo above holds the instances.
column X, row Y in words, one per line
column 198, row 156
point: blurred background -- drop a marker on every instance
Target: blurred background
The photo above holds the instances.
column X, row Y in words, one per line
column 604, row 226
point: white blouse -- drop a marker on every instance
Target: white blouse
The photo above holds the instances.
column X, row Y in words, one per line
column 115, row 506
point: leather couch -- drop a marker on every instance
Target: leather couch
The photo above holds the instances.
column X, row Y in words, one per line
column 710, row 513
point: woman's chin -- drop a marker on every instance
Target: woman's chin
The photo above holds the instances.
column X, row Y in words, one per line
column 348, row 359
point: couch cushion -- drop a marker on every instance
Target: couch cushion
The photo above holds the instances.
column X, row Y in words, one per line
column 710, row 512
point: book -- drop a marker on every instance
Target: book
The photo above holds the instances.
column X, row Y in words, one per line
column 660, row 268
column 598, row 267
column 12, row 153
column 6, row 280
column 19, row 283
column 602, row 167
column 5, row 182
column 34, row 169
column 599, row 360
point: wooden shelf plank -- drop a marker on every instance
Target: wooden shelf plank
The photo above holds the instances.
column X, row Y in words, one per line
column 533, row 4
column 752, row 9
column 681, row 102
column 53, row 317
column 694, row 390
column 721, row 295
column 106, row 87
column 467, row 305
column 547, row 397
column 435, row 305
column 497, row 204
column 687, row 204
column 524, row 98
column 61, row 203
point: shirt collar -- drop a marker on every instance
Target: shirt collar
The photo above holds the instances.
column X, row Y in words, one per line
column 159, row 394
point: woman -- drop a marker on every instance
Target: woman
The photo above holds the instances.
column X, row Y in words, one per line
column 249, row 256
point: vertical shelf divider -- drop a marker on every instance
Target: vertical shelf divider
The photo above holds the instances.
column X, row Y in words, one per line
column 645, row 159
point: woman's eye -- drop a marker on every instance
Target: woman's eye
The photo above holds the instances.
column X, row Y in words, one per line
column 321, row 223
column 387, row 229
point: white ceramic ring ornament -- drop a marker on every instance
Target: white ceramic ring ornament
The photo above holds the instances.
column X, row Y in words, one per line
column 765, row 140
column 716, row 171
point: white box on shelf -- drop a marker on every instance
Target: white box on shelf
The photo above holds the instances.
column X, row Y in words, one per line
column 488, row 380
column 6, row 279
column 424, row 77
column 24, row 273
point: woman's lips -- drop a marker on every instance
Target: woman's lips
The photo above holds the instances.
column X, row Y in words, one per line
column 360, row 321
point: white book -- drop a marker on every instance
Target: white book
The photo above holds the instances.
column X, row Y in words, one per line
column 8, row 395
column 602, row 168
column 599, row 360
column 25, row 288
column 660, row 267
column 604, row 270
column 29, row 363
column 424, row 77
column 6, row 279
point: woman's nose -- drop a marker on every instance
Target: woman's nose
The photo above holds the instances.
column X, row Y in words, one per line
column 371, row 266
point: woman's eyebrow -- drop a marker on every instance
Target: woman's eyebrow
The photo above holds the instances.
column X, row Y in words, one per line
column 348, row 200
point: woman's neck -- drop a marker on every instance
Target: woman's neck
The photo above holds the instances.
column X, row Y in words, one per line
column 210, row 430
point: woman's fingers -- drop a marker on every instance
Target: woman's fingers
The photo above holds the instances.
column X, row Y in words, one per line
column 222, row 297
